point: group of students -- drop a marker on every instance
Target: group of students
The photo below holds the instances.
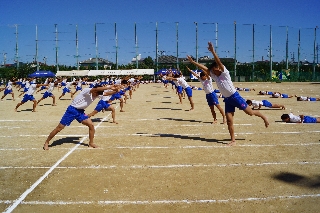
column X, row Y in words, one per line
column 221, row 76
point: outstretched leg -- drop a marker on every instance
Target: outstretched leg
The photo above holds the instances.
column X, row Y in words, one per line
column 251, row 112
column 52, row 134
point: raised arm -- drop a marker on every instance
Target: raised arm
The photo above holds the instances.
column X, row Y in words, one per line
column 216, row 57
column 197, row 64
column 193, row 73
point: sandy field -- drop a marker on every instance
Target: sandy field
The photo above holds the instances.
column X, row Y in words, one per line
column 161, row 157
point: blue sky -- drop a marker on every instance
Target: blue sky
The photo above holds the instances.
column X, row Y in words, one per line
column 172, row 17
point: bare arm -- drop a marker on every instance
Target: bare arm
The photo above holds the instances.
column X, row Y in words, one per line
column 204, row 68
column 216, row 57
column 302, row 117
column 193, row 73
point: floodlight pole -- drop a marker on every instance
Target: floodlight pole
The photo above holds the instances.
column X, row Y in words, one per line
column 17, row 55
column 37, row 48
column 57, row 64
column 116, row 38
column 77, row 47
column 96, row 44
column 314, row 54
column 157, row 61
column 235, row 50
column 136, row 43
column 270, row 51
column 177, row 35
column 299, row 53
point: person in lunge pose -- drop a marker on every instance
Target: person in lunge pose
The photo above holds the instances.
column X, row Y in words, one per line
column 76, row 111
column 232, row 98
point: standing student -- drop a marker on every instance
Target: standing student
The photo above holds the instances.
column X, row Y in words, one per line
column 211, row 96
column 67, row 89
column 8, row 90
column 76, row 111
column 48, row 93
column 184, row 84
column 220, row 74
column 29, row 96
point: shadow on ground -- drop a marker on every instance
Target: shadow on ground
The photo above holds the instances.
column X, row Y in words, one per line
column 73, row 140
column 299, row 180
column 184, row 137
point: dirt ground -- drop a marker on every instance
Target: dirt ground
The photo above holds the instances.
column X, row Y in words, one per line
column 161, row 157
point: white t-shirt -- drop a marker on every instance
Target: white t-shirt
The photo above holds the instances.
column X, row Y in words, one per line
column 32, row 89
column 256, row 104
column 207, row 85
column 183, row 82
column 303, row 98
column 294, row 118
column 51, row 87
column 83, row 100
column 224, row 83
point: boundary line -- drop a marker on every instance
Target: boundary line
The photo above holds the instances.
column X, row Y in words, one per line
column 153, row 202
column 28, row 191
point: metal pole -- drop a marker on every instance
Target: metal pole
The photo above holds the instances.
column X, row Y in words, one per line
column 235, row 50
column 314, row 55
column 116, row 35
column 17, row 55
column 157, row 47
column 57, row 64
column 270, row 51
column 77, row 47
column 287, row 47
column 196, row 41
column 37, row 48
column 136, row 43
column 299, row 54
column 96, row 43
column 177, row 23
column 216, row 47
column 253, row 51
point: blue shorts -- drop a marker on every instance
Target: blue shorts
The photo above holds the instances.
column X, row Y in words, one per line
column 63, row 84
column 42, row 87
column 23, row 85
column 188, row 91
column 27, row 97
column 65, row 90
column 246, row 89
column 217, row 91
column 71, row 114
column 115, row 96
column 47, row 94
column 269, row 93
column 266, row 103
column 102, row 105
column 234, row 101
column 312, row 99
column 78, row 88
column 179, row 89
column 7, row 91
column 284, row 95
column 309, row 119
column 25, row 89
column 212, row 99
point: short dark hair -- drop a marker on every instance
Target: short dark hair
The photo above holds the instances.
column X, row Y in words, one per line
column 214, row 64
column 124, row 82
column 284, row 116
column 249, row 102
column 202, row 74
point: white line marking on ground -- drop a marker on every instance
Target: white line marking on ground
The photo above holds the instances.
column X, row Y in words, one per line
column 152, row 202
column 28, row 191
column 173, row 166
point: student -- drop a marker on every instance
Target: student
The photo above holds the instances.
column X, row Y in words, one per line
column 211, row 96
column 43, row 87
column 280, row 95
column 79, row 86
column 8, row 90
column 302, row 98
column 103, row 105
column 66, row 89
column 76, row 110
column 29, row 96
column 48, row 93
column 265, row 93
column 291, row 118
column 232, row 98
column 181, row 81
column 259, row 104
column 244, row 89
